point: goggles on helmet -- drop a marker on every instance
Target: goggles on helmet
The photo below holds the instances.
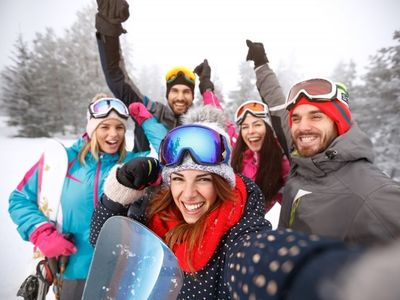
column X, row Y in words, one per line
column 102, row 107
column 205, row 145
column 318, row 90
column 258, row 109
column 174, row 73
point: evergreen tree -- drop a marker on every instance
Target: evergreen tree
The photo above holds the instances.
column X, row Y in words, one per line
column 20, row 93
column 376, row 105
column 84, row 77
column 48, row 63
column 247, row 89
column 151, row 82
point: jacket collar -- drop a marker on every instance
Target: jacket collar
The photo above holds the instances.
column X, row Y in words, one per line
column 352, row 146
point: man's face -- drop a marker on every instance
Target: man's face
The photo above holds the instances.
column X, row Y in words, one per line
column 180, row 98
column 312, row 131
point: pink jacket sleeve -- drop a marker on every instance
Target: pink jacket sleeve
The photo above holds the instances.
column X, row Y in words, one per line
column 209, row 98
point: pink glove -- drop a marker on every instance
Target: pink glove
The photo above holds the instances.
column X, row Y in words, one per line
column 139, row 112
column 50, row 242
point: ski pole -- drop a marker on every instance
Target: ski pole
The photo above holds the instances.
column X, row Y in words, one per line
column 62, row 264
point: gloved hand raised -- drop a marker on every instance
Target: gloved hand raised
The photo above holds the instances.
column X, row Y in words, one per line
column 139, row 172
column 50, row 242
column 111, row 13
column 139, row 112
column 256, row 53
column 204, row 72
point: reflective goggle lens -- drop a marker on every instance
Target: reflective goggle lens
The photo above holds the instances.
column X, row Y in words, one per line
column 173, row 73
column 206, row 146
column 317, row 89
column 254, row 107
column 102, row 107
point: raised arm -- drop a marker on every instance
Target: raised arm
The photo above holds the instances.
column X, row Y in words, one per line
column 109, row 17
column 123, row 186
column 206, row 87
column 271, row 93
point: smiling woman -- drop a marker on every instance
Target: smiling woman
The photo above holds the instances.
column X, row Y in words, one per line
column 213, row 221
column 87, row 164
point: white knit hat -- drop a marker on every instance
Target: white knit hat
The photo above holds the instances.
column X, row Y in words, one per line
column 213, row 118
column 93, row 123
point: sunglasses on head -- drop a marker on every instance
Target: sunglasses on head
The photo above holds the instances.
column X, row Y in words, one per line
column 205, row 145
column 175, row 72
column 258, row 109
column 318, row 90
column 102, row 108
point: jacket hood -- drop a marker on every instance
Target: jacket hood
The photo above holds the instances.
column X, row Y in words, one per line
column 352, row 146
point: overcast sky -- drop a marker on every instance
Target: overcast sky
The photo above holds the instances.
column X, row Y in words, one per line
column 314, row 33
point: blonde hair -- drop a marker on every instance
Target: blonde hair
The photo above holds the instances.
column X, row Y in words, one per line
column 99, row 96
column 92, row 144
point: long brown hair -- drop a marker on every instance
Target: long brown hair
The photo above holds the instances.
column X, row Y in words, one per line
column 269, row 173
column 184, row 232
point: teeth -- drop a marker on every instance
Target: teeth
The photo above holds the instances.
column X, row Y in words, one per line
column 254, row 139
column 191, row 207
column 307, row 138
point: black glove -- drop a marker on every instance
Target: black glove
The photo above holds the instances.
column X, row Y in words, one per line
column 139, row 173
column 111, row 13
column 256, row 53
column 204, row 72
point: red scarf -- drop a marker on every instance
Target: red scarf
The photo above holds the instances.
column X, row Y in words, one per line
column 218, row 222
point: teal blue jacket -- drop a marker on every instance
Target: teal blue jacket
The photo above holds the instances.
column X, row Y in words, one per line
column 83, row 186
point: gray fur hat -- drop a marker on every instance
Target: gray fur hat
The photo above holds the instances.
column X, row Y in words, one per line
column 212, row 117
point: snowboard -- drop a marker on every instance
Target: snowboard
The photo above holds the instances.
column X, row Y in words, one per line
column 53, row 166
column 131, row 262
column 52, row 171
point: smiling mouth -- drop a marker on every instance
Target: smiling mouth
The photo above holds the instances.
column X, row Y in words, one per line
column 307, row 139
column 254, row 139
column 193, row 207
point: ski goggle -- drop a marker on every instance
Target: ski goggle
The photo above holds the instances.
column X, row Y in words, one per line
column 316, row 89
column 174, row 73
column 258, row 109
column 205, row 145
column 102, row 107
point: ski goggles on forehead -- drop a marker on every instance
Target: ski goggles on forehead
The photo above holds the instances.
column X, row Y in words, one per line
column 102, row 107
column 205, row 145
column 316, row 89
column 256, row 108
column 175, row 72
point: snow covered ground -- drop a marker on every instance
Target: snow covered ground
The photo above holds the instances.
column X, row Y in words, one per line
column 17, row 156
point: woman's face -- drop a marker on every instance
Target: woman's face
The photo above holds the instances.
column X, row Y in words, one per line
column 193, row 192
column 253, row 132
column 110, row 134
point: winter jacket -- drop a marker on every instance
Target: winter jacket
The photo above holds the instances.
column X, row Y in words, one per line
column 271, row 94
column 340, row 193
column 251, row 163
column 247, row 251
column 123, row 88
column 82, row 188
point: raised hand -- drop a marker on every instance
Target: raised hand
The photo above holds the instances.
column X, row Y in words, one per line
column 256, row 53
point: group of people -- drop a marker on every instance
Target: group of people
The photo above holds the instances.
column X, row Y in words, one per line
column 216, row 178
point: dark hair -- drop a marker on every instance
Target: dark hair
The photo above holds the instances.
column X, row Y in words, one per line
column 164, row 205
column 269, row 174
